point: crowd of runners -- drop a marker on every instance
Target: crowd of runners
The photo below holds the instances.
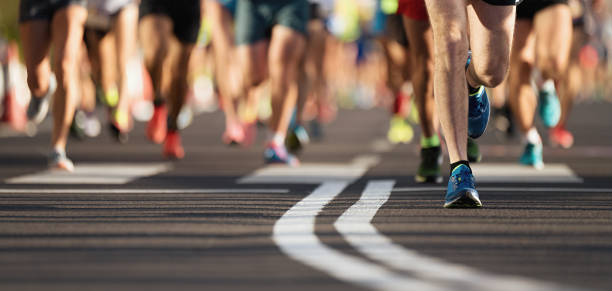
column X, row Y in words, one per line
column 452, row 67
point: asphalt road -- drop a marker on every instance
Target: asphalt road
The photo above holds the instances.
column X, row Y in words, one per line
column 351, row 219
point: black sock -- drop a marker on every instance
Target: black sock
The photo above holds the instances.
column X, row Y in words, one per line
column 171, row 124
column 159, row 101
column 472, row 90
column 455, row 164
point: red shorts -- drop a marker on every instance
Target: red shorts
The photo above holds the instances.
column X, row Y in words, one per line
column 413, row 9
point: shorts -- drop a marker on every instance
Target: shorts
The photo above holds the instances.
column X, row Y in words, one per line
column 230, row 5
column 529, row 8
column 256, row 18
column 413, row 9
column 185, row 17
column 43, row 9
column 108, row 7
column 505, row 2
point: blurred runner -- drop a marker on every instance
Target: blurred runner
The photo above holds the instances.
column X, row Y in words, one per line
column 112, row 28
column 463, row 106
column 61, row 23
column 543, row 41
column 270, row 35
column 166, row 62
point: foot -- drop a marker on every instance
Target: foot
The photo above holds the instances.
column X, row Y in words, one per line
column 559, row 136
column 59, row 161
column 550, row 107
column 532, row 156
column 234, row 134
column 429, row 169
column 120, row 124
column 473, row 151
column 461, row 192
column 173, row 148
column 478, row 114
column 157, row 127
column 275, row 154
column 38, row 107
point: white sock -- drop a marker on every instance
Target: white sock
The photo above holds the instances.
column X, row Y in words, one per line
column 548, row 85
column 277, row 138
column 533, row 137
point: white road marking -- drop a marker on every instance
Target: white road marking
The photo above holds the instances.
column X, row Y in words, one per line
column 312, row 173
column 511, row 189
column 294, row 234
column 515, row 173
column 142, row 191
column 355, row 226
column 106, row 173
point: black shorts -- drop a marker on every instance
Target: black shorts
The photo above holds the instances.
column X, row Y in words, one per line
column 529, row 8
column 185, row 16
column 43, row 9
column 504, row 2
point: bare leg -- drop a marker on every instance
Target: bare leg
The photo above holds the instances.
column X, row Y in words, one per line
column 420, row 38
column 286, row 49
column 36, row 40
column 125, row 29
column 67, row 31
column 157, row 31
column 449, row 24
column 522, row 97
column 179, row 85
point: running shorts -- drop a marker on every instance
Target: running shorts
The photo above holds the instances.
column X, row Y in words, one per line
column 108, row 7
column 529, row 8
column 413, row 9
column 43, row 9
column 185, row 16
column 505, row 2
column 230, row 5
column 256, row 18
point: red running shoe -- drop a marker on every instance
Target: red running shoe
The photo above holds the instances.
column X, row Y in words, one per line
column 173, row 148
column 157, row 127
column 559, row 136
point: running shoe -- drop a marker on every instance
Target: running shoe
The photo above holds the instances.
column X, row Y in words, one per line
column 429, row 169
column 478, row 114
column 173, row 148
column 297, row 138
column 234, row 134
column 550, row 107
column 461, row 191
column 532, row 156
column 59, row 161
column 38, row 107
column 157, row 127
column 559, row 136
column 400, row 130
column 120, row 124
column 275, row 154
column 473, row 151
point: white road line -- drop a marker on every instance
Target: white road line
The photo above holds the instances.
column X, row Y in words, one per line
column 515, row 173
column 103, row 173
column 355, row 226
column 312, row 173
column 511, row 189
column 142, row 191
column 294, row 234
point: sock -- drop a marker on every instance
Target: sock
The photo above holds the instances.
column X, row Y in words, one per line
column 171, row 124
column 533, row 137
column 456, row 164
column 159, row 100
column 430, row 142
column 60, row 151
column 276, row 138
column 548, row 86
column 472, row 90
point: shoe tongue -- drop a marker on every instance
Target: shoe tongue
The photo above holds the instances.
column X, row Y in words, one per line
column 460, row 168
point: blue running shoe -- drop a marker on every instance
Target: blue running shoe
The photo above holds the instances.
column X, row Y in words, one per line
column 275, row 154
column 550, row 107
column 532, row 156
column 461, row 192
column 478, row 115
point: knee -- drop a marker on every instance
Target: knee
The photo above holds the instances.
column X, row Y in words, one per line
column 553, row 66
column 492, row 73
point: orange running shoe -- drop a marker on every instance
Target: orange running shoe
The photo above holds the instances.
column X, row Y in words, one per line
column 559, row 136
column 157, row 127
column 173, row 148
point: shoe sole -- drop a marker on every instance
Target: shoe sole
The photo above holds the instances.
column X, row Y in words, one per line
column 466, row 200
